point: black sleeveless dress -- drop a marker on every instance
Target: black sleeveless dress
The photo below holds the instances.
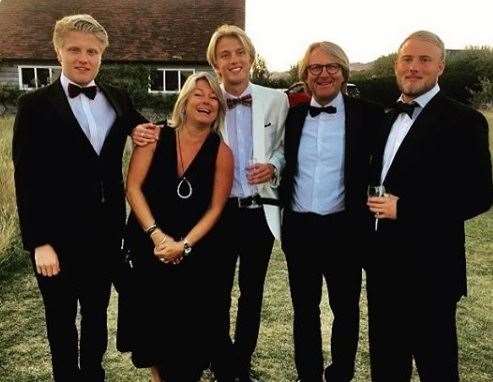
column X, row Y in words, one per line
column 166, row 321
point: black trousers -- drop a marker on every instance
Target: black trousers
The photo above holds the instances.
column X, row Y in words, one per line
column 406, row 324
column 86, row 283
column 244, row 235
column 321, row 247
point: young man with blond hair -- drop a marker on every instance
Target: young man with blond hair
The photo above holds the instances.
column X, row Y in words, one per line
column 68, row 144
column 251, row 220
column 416, row 271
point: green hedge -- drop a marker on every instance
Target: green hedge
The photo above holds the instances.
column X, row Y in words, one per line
column 384, row 91
column 133, row 78
column 467, row 78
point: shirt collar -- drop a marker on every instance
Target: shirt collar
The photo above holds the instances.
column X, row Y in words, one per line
column 337, row 102
column 248, row 90
column 65, row 81
column 423, row 99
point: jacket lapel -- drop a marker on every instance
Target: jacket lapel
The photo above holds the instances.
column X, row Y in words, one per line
column 381, row 141
column 110, row 96
column 294, row 130
column 258, row 128
column 61, row 105
column 117, row 107
column 352, row 120
column 419, row 129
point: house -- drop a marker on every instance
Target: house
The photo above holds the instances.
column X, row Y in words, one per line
column 168, row 36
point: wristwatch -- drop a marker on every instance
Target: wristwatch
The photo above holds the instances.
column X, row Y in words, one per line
column 187, row 248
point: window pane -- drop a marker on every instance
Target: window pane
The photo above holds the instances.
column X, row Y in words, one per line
column 184, row 75
column 171, row 80
column 43, row 76
column 28, row 78
column 157, row 80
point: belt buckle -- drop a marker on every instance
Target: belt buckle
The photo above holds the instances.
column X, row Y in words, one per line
column 255, row 200
column 249, row 201
column 244, row 202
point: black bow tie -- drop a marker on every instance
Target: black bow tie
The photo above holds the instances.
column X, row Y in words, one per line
column 314, row 110
column 407, row 108
column 74, row 91
column 245, row 100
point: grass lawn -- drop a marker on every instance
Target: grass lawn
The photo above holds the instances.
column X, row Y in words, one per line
column 24, row 353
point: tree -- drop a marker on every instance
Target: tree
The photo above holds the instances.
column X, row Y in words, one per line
column 484, row 97
column 260, row 73
column 383, row 66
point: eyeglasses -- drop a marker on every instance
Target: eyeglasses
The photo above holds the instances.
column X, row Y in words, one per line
column 316, row 69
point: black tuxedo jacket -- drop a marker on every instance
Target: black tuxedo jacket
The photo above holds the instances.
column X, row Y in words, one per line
column 67, row 195
column 442, row 176
column 362, row 120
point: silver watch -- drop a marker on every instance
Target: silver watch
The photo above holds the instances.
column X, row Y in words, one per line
column 187, row 248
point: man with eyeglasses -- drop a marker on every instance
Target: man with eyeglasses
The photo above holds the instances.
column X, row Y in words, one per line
column 323, row 189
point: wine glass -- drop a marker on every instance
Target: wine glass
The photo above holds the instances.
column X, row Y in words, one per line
column 376, row 191
column 252, row 162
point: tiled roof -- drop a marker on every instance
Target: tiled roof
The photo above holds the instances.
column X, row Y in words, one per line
column 139, row 30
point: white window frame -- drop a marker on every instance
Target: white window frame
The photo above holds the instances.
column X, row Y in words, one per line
column 164, row 70
column 35, row 67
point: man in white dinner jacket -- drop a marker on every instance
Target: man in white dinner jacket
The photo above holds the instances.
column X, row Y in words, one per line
column 254, row 131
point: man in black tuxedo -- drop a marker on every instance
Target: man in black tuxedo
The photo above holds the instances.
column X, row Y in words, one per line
column 434, row 162
column 68, row 144
column 323, row 189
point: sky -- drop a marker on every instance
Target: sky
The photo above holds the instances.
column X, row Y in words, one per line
column 281, row 30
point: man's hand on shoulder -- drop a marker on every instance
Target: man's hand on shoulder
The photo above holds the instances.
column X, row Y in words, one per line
column 46, row 261
column 145, row 133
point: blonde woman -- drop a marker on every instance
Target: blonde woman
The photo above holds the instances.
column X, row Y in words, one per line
column 177, row 189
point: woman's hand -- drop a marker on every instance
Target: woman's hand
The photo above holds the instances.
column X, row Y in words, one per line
column 158, row 237
column 169, row 251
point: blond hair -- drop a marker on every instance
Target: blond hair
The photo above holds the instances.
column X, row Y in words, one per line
column 227, row 30
column 78, row 23
column 428, row 37
column 179, row 111
column 335, row 51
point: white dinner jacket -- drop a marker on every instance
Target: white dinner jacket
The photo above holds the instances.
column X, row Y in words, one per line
column 269, row 110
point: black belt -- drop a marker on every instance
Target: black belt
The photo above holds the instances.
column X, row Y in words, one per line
column 254, row 200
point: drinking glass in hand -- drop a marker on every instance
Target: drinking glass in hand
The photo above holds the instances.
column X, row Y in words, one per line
column 376, row 191
column 252, row 162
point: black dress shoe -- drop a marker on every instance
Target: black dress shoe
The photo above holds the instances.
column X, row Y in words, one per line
column 330, row 375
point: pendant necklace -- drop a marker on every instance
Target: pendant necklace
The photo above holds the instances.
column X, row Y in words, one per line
column 184, row 182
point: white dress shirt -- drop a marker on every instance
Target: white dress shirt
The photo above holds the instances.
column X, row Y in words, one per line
column 95, row 116
column 401, row 128
column 319, row 183
column 239, row 125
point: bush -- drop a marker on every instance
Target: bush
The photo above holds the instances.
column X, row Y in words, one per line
column 132, row 78
column 381, row 90
column 135, row 80
column 8, row 97
column 483, row 98
column 460, row 80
